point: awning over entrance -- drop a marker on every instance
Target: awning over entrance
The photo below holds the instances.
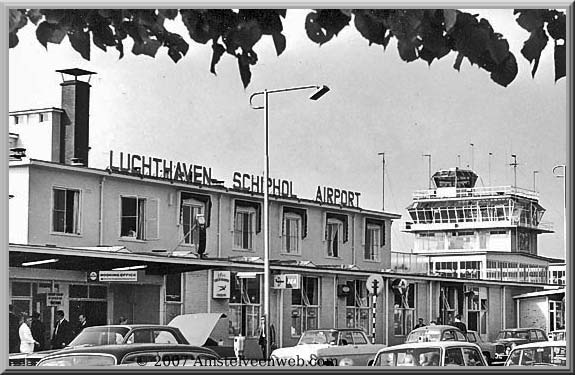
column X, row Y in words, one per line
column 82, row 259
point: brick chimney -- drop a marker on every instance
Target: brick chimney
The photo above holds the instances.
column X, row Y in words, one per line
column 75, row 128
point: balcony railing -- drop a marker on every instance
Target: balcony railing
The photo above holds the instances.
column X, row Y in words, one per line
column 409, row 263
column 480, row 192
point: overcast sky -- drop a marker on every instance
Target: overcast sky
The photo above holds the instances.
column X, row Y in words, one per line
column 377, row 103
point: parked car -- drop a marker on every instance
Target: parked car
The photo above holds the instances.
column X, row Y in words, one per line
column 345, row 346
column 192, row 329
column 435, row 333
column 558, row 335
column 546, row 353
column 487, row 348
column 174, row 355
column 432, row 353
column 508, row 339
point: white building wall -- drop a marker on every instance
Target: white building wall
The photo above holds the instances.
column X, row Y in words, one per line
column 40, row 139
column 18, row 205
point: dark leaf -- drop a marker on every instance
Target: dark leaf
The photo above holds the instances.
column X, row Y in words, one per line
column 12, row 40
column 556, row 27
column 168, row 13
column 245, row 73
column 54, row 16
column 47, row 32
column 120, row 48
column 218, row 51
column 458, row 61
column 450, row 16
column 314, row 30
column 498, row 50
column 35, row 15
column 347, row 12
column 533, row 47
column 333, row 20
column 148, row 47
column 505, row 72
column 103, row 36
column 177, row 46
column 560, row 61
column 279, row 42
column 16, row 20
column 407, row 50
column 371, row 27
column 80, row 41
column 530, row 19
column 247, row 34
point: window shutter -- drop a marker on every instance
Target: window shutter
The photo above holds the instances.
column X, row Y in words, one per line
column 281, row 222
column 345, row 221
column 302, row 212
column 324, row 220
column 152, row 222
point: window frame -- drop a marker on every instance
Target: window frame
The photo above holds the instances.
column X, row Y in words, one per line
column 375, row 250
column 251, row 234
column 287, row 217
column 194, row 234
column 148, row 220
column 340, row 233
column 306, row 306
column 79, row 227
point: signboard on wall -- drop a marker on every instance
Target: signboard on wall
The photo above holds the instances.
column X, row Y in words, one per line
column 221, row 284
column 54, row 298
column 114, row 276
column 287, row 281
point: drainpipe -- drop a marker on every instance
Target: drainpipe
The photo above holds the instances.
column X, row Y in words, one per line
column 353, row 239
column 430, row 308
column 335, row 301
column 101, row 213
column 220, row 225
column 517, row 322
column 503, row 323
column 385, row 305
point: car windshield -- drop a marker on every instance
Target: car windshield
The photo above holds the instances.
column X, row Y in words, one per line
column 538, row 356
column 79, row 360
column 95, row 336
column 424, row 335
column 318, row 337
column 524, row 335
column 409, row 357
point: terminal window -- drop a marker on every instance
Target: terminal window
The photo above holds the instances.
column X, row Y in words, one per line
column 66, row 211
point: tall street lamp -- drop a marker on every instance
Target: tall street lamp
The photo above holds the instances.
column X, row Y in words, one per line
column 320, row 91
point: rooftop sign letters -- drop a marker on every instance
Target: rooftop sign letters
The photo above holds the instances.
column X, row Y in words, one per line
column 255, row 184
column 346, row 198
column 149, row 166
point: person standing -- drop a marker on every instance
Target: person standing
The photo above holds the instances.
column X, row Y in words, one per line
column 62, row 332
column 419, row 323
column 262, row 337
column 27, row 341
column 38, row 331
column 82, row 323
column 13, row 331
column 459, row 324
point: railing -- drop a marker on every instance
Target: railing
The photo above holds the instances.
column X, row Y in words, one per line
column 493, row 191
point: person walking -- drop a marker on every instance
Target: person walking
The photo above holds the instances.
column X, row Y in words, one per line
column 27, row 341
column 13, row 331
column 38, row 331
column 419, row 323
column 62, row 332
column 459, row 324
column 262, row 337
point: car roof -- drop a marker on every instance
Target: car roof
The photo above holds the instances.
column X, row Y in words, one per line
column 430, row 344
column 120, row 350
column 518, row 329
column 336, row 329
column 541, row 344
column 439, row 327
column 130, row 326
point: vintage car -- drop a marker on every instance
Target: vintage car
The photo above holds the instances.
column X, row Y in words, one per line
column 544, row 353
column 344, row 346
column 508, row 339
column 487, row 348
column 435, row 333
column 173, row 355
column 192, row 329
column 432, row 353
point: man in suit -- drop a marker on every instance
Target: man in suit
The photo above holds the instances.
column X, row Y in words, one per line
column 459, row 324
column 262, row 337
column 62, row 332
column 13, row 331
column 82, row 323
column 37, row 329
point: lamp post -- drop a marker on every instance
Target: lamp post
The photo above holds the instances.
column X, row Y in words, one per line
column 534, row 186
column 563, row 175
column 320, row 91
column 514, row 165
